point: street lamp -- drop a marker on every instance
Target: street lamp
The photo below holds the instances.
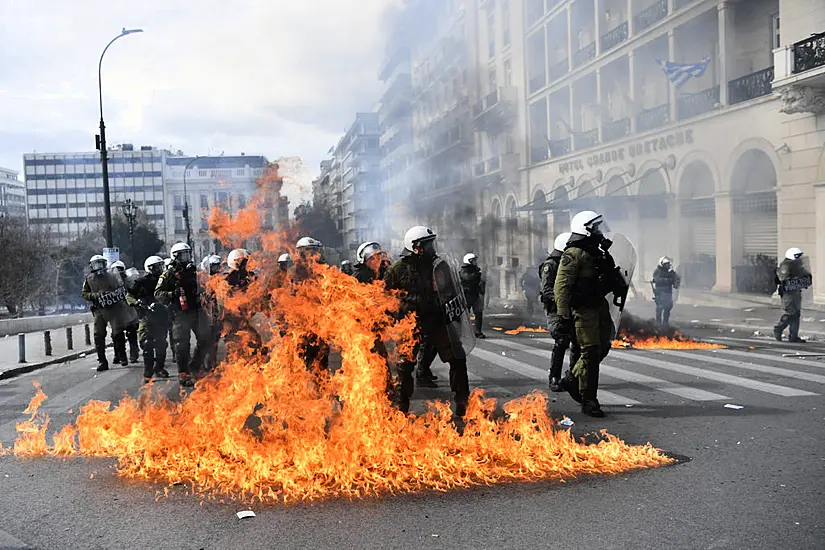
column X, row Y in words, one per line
column 186, row 204
column 101, row 140
column 130, row 210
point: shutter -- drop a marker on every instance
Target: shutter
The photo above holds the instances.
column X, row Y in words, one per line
column 759, row 235
column 703, row 236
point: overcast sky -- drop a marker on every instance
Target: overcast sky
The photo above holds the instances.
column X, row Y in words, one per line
column 273, row 77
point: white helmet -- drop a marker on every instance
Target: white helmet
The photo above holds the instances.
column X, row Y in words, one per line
column 561, row 241
column 308, row 242
column 182, row 250
column 284, row 258
column 151, row 261
column 366, row 250
column 664, row 260
column 793, row 253
column 118, row 265
column 583, row 223
column 416, row 235
column 167, row 262
column 235, row 257
column 97, row 262
column 469, row 258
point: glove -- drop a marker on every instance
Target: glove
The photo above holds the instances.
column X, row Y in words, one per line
column 565, row 326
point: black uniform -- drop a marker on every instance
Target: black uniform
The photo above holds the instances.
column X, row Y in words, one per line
column 530, row 285
column 472, row 282
column 664, row 281
column 153, row 325
column 791, row 278
column 562, row 339
column 413, row 273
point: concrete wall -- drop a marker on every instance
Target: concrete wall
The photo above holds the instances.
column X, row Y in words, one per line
column 46, row 322
column 800, row 19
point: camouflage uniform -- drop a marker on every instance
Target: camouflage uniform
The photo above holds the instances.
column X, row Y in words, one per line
column 176, row 282
column 562, row 340
column 153, row 325
column 107, row 295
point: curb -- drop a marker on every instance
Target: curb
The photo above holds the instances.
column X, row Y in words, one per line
column 31, row 367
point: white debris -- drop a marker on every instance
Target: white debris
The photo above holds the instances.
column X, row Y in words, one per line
column 629, row 406
column 82, row 355
column 733, row 330
column 732, row 406
column 503, row 353
column 757, row 333
column 748, row 309
column 566, row 422
column 436, row 536
column 245, row 514
column 694, row 320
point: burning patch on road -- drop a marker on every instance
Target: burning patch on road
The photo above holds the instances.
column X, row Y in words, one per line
column 268, row 428
column 521, row 329
column 638, row 333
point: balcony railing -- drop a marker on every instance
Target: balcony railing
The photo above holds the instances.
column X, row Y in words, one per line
column 614, row 38
column 538, row 82
column 651, row 15
column 559, row 147
column 809, row 53
column 754, row 85
column 616, row 129
column 584, row 55
column 653, row 118
column 587, row 139
column 558, row 70
column 697, row 104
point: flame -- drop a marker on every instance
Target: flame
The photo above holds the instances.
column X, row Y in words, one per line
column 662, row 342
column 266, row 427
column 522, row 328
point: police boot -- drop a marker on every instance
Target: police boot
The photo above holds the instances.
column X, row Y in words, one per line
column 590, row 404
column 148, row 364
column 570, row 384
column 556, row 363
column 777, row 333
column 134, row 351
column 100, row 349
column 119, row 343
column 159, row 370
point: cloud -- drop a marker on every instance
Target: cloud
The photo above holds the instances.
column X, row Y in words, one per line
column 279, row 78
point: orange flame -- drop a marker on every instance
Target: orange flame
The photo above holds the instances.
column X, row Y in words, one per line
column 268, row 428
column 523, row 328
column 662, row 342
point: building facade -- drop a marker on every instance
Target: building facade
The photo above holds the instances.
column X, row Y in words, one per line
column 204, row 183
column 64, row 191
column 12, row 194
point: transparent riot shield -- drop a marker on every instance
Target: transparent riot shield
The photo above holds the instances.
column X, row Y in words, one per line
column 625, row 256
column 131, row 278
column 453, row 305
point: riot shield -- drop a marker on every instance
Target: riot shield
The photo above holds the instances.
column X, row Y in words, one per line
column 453, row 305
column 131, row 278
column 624, row 254
column 112, row 299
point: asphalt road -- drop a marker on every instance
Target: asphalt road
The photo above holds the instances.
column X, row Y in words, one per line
column 755, row 477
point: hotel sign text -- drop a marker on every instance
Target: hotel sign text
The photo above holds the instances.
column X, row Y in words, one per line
column 632, row 150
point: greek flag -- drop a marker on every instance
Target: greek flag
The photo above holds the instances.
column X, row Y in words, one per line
column 680, row 73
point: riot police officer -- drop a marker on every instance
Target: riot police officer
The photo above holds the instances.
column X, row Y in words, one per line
column 284, row 262
column 372, row 262
column 791, row 278
column 586, row 275
column 210, row 310
column 665, row 280
column 178, row 289
column 154, row 319
column 473, row 284
column 562, row 339
column 131, row 329
column 239, row 278
column 310, row 251
column 107, row 295
column 347, row 267
column 414, row 274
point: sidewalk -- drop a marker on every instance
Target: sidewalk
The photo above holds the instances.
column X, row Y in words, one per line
column 35, row 351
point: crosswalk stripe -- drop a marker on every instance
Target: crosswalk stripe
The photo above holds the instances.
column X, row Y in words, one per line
column 83, row 391
column 775, row 358
column 666, row 386
column 775, row 389
column 529, row 371
column 475, row 380
column 707, row 358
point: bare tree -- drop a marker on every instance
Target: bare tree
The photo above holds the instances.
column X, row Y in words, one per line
column 26, row 267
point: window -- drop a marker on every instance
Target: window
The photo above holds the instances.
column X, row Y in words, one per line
column 177, row 201
column 775, row 31
column 239, row 172
column 505, row 22
column 204, row 224
column 204, row 201
column 492, row 80
column 508, row 73
column 178, row 224
column 202, row 173
column 241, row 201
column 491, row 32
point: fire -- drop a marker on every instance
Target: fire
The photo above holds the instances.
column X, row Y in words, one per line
column 522, row 328
column 268, row 428
column 662, row 342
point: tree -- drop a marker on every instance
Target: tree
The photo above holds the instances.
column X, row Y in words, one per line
column 147, row 240
column 26, row 266
column 317, row 222
column 71, row 264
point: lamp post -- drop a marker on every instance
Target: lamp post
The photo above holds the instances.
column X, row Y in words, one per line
column 186, row 204
column 130, row 213
column 101, row 139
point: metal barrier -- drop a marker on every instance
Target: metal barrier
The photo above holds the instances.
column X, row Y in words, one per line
column 21, row 347
column 47, row 343
column 88, row 335
column 69, row 342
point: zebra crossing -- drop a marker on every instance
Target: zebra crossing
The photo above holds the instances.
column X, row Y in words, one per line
column 505, row 367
